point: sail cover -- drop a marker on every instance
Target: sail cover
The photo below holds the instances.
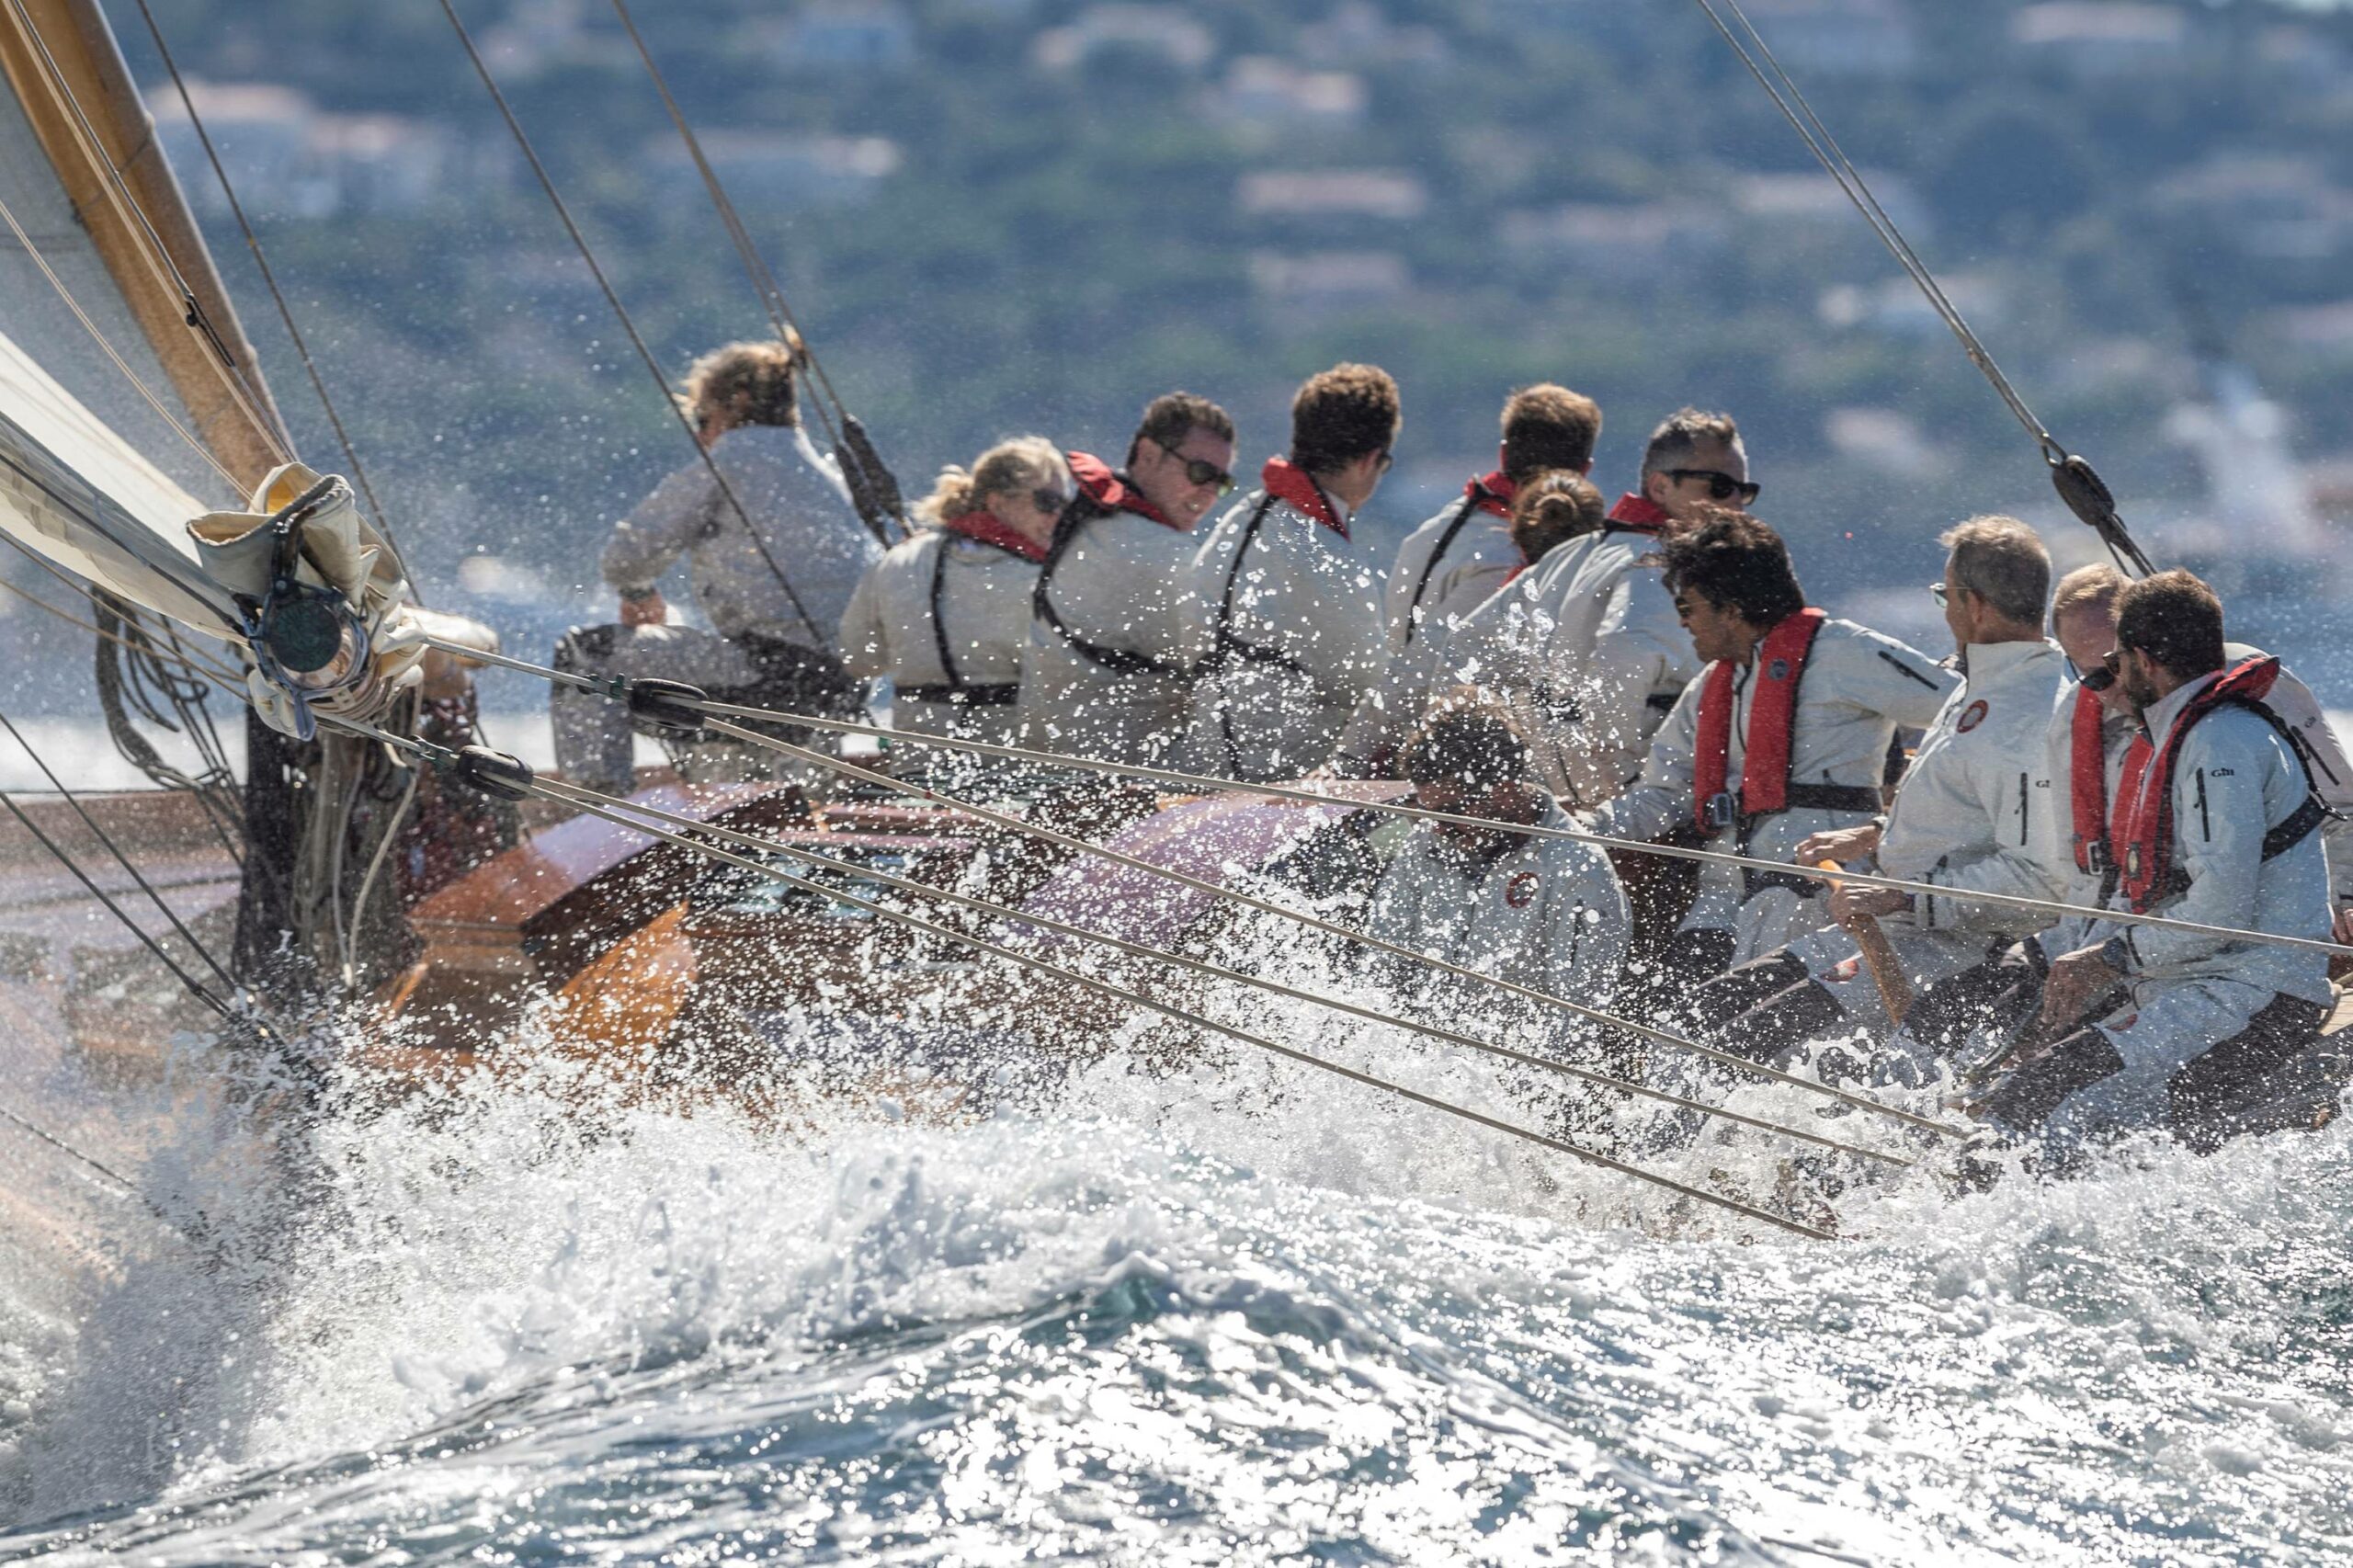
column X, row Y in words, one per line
column 93, row 474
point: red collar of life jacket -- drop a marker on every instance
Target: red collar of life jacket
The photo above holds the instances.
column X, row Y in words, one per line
column 2145, row 795
column 1492, row 493
column 1780, row 658
column 989, row 529
column 1113, row 490
column 1639, row 514
column 1293, row 486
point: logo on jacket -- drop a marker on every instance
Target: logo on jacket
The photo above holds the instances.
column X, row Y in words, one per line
column 1521, row 891
column 1778, row 670
column 1971, row 716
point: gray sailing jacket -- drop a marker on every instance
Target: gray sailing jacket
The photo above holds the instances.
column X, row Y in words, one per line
column 982, row 600
column 796, row 499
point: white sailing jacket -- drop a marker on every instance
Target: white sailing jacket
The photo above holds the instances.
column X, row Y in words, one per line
column 1858, row 689
column 2234, row 779
column 1586, row 649
column 1445, row 569
column 1972, row 812
column 945, row 617
column 1285, row 630
column 1120, row 586
column 796, row 499
column 1544, row 913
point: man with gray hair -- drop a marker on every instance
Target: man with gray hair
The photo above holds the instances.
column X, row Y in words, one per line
column 1968, row 817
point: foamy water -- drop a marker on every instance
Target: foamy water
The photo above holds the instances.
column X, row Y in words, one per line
column 1157, row 1309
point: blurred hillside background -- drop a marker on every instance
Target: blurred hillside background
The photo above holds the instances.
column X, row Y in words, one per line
column 995, row 216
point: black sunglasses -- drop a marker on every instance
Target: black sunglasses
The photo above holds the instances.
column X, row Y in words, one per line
column 2104, row 676
column 1200, row 471
column 1720, row 486
column 1051, row 501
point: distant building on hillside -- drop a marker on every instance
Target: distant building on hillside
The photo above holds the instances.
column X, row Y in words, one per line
column 2280, row 207
column 1319, row 284
column 2101, row 42
column 1332, row 193
column 1838, row 38
column 778, row 170
column 1355, row 33
column 1171, row 32
column 1263, row 90
column 1621, row 242
column 846, row 35
column 1816, row 201
column 289, row 157
column 1895, row 308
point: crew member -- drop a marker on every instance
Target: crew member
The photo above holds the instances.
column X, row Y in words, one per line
column 1785, row 734
column 1451, row 563
column 1543, row 913
column 945, row 612
column 2215, row 823
column 776, row 551
column 1104, row 673
column 2092, row 731
column 1285, row 618
column 1586, row 648
column 1965, row 819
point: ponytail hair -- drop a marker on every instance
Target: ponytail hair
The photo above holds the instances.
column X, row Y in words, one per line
column 1551, row 508
column 1025, row 462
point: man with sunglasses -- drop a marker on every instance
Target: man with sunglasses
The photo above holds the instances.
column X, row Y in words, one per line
column 1454, row 562
column 1104, row 673
column 1285, row 614
column 1969, row 817
column 2216, row 823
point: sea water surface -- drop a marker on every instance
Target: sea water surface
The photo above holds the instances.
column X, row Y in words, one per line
column 1210, row 1311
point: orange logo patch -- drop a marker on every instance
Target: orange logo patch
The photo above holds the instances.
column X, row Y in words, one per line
column 1521, row 889
column 1972, row 716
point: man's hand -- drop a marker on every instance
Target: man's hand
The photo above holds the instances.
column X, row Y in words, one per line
column 1844, row 844
column 644, row 609
column 1850, row 904
column 2076, row 980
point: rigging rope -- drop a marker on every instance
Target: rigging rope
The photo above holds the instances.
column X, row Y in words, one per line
column 269, row 280
column 621, row 311
column 1216, row 971
column 2079, row 486
column 858, row 454
column 121, row 860
column 608, row 809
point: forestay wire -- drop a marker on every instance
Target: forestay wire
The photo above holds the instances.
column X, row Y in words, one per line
column 628, row 325
column 2079, row 486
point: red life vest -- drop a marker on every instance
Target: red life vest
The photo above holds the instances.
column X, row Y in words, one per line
column 1102, row 485
column 1780, row 659
column 2097, row 849
column 1294, row 486
column 989, row 529
column 1638, row 515
column 2144, row 831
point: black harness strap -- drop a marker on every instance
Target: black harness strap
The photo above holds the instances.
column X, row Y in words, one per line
column 957, row 690
column 1429, row 568
column 1119, row 661
column 2284, row 835
column 1230, row 645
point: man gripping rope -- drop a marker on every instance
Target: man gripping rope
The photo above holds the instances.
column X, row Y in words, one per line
column 1965, row 819
column 1285, row 612
column 2215, row 820
column 772, row 646
column 1104, row 673
column 1785, row 734
column 1450, row 565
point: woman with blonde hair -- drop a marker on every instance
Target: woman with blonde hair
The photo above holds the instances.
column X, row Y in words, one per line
column 774, row 549
column 945, row 613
